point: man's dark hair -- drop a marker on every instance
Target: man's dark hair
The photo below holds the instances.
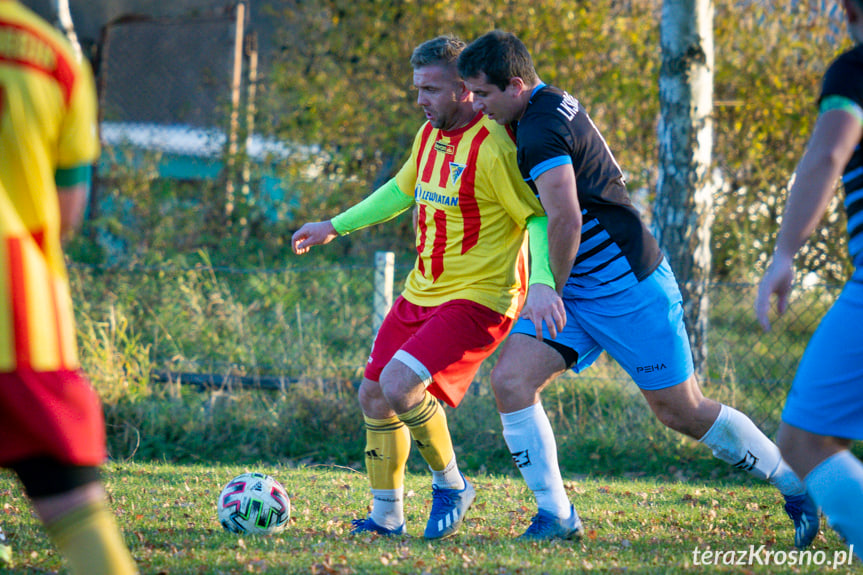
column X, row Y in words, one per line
column 440, row 51
column 501, row 56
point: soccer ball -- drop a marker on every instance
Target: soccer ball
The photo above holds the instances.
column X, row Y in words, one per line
column 254, row 503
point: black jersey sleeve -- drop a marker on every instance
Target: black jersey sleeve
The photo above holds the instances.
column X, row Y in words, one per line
column 544, row 142
column 845, row 77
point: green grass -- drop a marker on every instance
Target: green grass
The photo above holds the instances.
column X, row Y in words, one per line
column 668, row 495
column 312, row 323
column 168, row 515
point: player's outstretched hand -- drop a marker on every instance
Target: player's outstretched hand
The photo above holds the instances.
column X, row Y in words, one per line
column 543, row 304
column 312, row 234
column 777, row 280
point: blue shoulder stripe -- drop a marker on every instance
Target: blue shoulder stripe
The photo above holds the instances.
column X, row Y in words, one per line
column 545, row 166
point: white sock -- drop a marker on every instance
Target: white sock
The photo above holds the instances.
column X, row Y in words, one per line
column 449, row 478
column 734, row 439
column 836, row 485
column 388, row 509
column 528, row 435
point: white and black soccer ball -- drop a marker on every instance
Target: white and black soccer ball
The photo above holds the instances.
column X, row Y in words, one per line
column 254, row 503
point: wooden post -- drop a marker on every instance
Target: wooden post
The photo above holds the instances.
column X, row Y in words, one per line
column 233, row 130
column 384, row 267
column 251, row 101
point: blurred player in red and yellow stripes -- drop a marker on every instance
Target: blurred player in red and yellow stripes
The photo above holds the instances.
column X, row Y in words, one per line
column 51, row 427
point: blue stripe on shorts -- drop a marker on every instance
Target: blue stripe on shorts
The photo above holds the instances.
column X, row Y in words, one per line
column 640, row 327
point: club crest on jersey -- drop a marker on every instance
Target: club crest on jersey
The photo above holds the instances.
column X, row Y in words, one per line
column 444, row 148
column 455, row 171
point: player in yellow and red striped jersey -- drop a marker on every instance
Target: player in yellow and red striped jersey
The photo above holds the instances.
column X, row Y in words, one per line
column 459, row 300
column 471, row 209
column 51, row 427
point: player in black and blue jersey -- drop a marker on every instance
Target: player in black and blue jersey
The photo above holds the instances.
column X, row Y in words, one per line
column 618, row 295
column 824, row 409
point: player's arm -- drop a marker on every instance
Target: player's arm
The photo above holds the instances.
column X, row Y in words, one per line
column 73, row 189
column 383, row 204
column 559, row 197
column 833, row 140
column 543, row 304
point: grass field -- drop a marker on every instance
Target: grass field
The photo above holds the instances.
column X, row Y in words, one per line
column 168, row 513
column 189, row 317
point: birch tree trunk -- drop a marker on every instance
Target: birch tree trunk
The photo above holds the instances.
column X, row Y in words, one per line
column 683, row 211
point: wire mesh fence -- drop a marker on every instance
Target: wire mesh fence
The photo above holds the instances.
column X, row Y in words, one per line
column 178, row 94
column 275, row 327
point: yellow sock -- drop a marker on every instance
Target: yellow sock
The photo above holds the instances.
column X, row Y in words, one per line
column 388, row 445
column 428, row 427
column 89, row 539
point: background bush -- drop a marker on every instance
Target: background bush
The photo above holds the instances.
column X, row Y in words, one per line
column 164, row 285
column 145, row 331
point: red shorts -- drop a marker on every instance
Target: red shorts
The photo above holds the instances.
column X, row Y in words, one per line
column 50, row 413
column 450, row 341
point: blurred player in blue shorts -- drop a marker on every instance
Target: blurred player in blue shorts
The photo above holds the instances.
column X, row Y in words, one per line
column 824, row 409
column 618, row 295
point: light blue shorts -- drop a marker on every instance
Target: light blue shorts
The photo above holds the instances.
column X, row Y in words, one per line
column 641, row 328
column 826, row 397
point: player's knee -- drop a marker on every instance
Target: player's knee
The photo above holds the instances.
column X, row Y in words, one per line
column 402, row 387
column 505, row 378
column 370, row 396
column 800, row 447
column 668, row 417
column 392, row 387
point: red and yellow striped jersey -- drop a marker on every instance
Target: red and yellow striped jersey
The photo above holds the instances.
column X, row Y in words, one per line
column 473, row 206
column 47, row 122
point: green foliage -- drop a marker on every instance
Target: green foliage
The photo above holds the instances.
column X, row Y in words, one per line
column 168, row 515
column 144, row 213
column 769, row 62
column 237, row 321
column 312, row 326
column 115, row 358
column 350, row 89
column 339, row 94
column 178, row 423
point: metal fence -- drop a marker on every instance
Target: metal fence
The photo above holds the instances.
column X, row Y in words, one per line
column 178, row 99
column 271, row 328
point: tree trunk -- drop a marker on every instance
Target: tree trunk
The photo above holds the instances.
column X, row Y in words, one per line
column 683, row 212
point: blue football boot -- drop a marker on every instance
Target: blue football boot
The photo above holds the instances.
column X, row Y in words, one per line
column 544, row 526
column 449, row 507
